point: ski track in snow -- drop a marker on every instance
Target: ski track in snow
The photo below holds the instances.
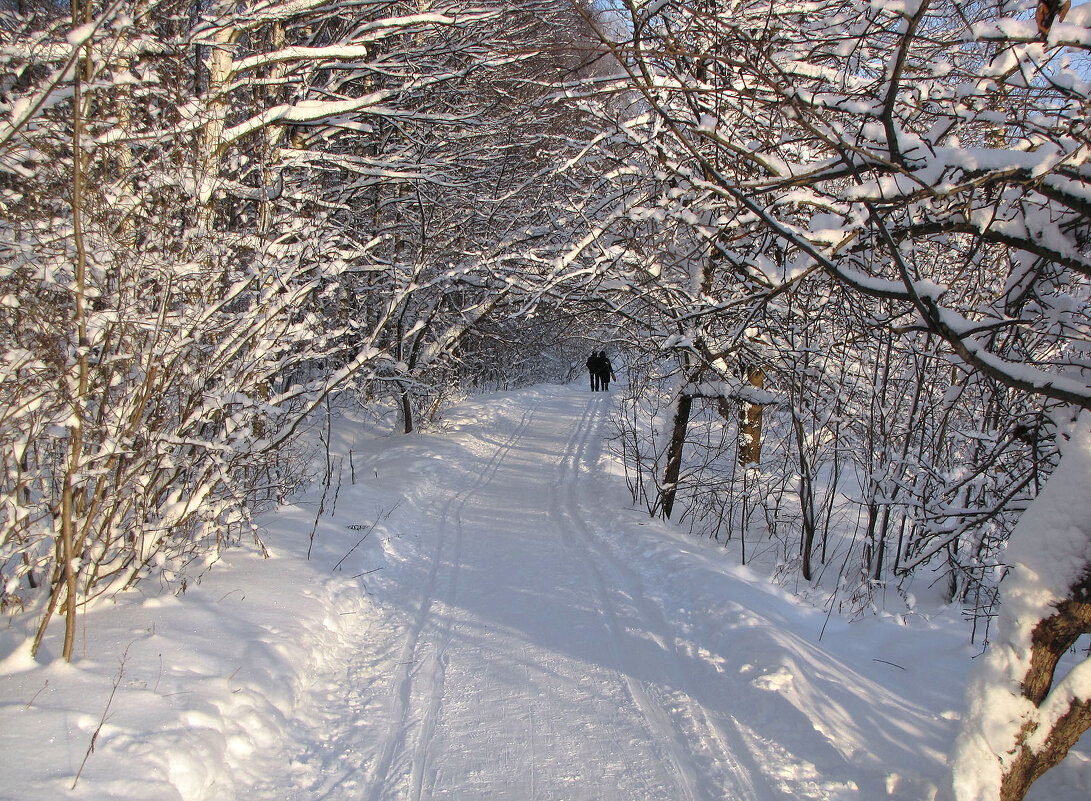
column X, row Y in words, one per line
column 690, row 723
column 431, row 653
column 577, row 725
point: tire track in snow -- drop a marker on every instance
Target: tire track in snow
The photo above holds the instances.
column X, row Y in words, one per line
column 608, row 571
column 379, row 780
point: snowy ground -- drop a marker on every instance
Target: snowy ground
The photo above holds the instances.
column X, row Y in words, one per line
column 482, row 618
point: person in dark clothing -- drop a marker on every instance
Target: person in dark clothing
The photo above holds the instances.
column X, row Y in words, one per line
column 594, row 369
column 606, row 372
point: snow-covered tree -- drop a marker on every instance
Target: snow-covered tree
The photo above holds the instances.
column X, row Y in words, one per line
column 216, row 214
column 927, row 161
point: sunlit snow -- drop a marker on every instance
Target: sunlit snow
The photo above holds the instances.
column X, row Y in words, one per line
column 483, row 617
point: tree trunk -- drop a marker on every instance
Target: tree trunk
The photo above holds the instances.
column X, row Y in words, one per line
column 674, row 454
column 1052, row 637
column 1023, row 719
column 750, row 422
column 406, row 401
column 70, row 492
column 808, row 524
column 220, row 60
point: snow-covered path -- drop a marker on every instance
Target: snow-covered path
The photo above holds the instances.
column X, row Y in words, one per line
column 524, row 655
column 479, row 615
column 532, row 668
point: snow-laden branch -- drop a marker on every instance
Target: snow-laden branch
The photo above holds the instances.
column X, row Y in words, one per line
column 361, row 47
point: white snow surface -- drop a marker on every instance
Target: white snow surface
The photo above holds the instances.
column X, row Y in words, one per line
column 483, row 617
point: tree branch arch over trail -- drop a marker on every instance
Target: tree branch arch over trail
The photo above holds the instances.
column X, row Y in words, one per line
column 916, row 175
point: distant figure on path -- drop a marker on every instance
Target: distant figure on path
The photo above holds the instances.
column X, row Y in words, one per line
column 606, row 372
column 594, row 369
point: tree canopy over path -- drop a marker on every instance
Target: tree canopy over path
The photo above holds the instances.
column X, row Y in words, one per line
column 842, row 247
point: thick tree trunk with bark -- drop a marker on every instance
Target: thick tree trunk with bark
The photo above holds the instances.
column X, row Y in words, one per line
column 1023, row 717
column 1052, row 637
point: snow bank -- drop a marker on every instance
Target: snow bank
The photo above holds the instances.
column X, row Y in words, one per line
column 207, row 680
column 1048, row 551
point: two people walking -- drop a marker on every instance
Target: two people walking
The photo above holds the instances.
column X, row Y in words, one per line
column 601, row 371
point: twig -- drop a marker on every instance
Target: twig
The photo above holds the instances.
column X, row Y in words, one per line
column 359, row 542
column 337, row 490
column 317, row 517
column 383, row 515
column 325, row 480
column 833, row 597
column 366, row 572
column 105, row 712
column 31, row 701
column 899, row 667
